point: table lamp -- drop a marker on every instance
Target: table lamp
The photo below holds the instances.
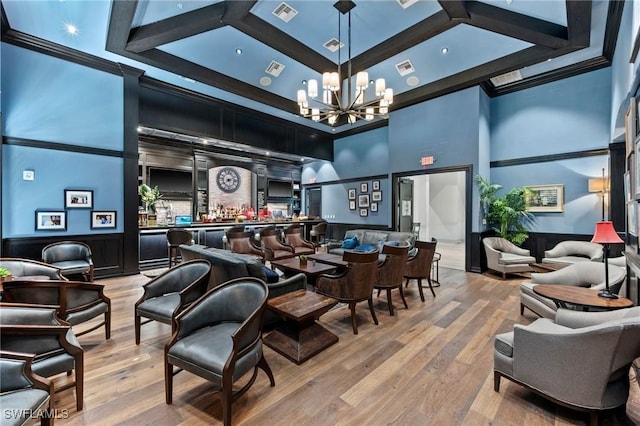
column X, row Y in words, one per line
column 606, row 235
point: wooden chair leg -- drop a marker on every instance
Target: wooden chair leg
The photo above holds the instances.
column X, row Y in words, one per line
column 420, row 289
column 373, row 313
column 265, row 367
column 79, row 381
column 389, row 302
column 521, row 309
column 107, row 324
column 136, row 328
column 168, row 381
column 402, row 296
column 227, row 399
column 354, row 320
column 496, row 381
column 431, row 287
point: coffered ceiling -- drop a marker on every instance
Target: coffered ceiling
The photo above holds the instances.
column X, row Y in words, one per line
column 260, row 53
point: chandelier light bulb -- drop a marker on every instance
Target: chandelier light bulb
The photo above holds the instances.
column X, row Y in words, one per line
column 380, row 87
column 369, row 114
column 302, row 97
column 332, row 117
column 362, row 80
column 351, row 118
column 326, row 80
column 312, row 88
column 315, row 114
column 326, row 97
column 388, row 96
column 334, row 82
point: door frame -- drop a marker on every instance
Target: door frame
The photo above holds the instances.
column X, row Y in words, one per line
column 468, row 200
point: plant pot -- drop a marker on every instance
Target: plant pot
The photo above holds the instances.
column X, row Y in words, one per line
column 303, row 262
column 6, row 278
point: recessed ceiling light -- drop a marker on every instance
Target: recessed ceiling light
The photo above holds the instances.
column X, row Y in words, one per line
column 304, row 82
column 265, row 81
column 238, row 51
column 139, row 129
column 71, row 29
column 179, row 5
column 509, row 1
column 444, row 50
column 413, row 80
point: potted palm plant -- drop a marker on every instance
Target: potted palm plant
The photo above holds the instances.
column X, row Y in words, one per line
column 5, row 274
column 507, row 215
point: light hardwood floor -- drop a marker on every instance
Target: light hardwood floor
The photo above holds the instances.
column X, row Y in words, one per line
column 431, row 364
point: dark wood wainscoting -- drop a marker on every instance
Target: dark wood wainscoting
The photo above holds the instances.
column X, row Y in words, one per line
column 537, row 243
column 107, row 250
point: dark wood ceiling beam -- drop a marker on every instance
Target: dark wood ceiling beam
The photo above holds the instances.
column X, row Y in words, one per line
column 4, row 22
column 516, row 25
column 614, row 18
column 416, row 34
column 271, row 36
column 237, row 10
column 476, row 75
column 579, row 22
column 456, row 9
column 150, row 36
column 120, row 20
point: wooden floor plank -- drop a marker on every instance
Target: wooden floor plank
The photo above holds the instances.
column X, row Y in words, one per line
column 429, row 364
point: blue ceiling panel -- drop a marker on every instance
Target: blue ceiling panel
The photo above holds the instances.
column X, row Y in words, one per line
column 150, row 11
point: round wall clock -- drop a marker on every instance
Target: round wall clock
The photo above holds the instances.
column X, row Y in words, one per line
column 228, row 179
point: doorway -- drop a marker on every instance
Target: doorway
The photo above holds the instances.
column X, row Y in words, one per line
column 314, row 201
column 439, row 210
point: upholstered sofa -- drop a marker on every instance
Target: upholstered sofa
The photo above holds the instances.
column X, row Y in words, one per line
column 505, row 257
column 573, row 251
column 582, row 274
column 372, row 238
column 226, row 265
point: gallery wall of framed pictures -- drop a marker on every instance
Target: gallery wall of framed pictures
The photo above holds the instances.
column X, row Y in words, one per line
column 365, row 198
column 74, row 199
column 632, row 174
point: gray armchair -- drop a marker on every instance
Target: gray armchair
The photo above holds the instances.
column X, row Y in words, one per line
column 219, row 337
column 37, row 330
column 582, row 274
column 72, row 257
column 24, row 396
column 574, row 251
column 542, row 357
column 27, row 267
column 78, row 302
column 505, row 257
column 169, row 293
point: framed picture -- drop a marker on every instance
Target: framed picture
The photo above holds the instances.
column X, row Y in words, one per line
column 352, row 204
column 374, row 207
column 78, row 199
column 630, row 125
column 363, row 200
column 627, row 186
column 375, row 186
column 364, row 187
column 364, row 212
column 637, row 121
column 376, row 196
column 51, row 220
column 632, row 224
column 352, row 193
column 546, row 198
column 103, row 219
column 637, row 170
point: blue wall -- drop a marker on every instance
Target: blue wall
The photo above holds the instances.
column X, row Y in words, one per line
column 51, row 100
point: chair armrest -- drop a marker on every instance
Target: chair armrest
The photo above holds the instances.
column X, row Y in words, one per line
column 579, row 319
column 334, row 244
column 15, row 368
column 493, row 257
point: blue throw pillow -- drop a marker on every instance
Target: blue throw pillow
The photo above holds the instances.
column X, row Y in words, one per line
column 365, row 247
column 350, row 243
column 272, row 276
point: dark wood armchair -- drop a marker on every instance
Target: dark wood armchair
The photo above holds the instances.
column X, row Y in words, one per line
column 391, row 271
column 243, row 243
column 273, row 248
column 27, row 267
column 78, row 302
column 72, row 257
column 419, row 265
column 169, row 294
column 38, row 331
column 219, row 337
column 318, row 232
column 354, row 284
column 293, row 237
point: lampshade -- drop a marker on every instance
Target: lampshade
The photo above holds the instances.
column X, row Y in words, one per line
column 606, row 234
column 598, row 185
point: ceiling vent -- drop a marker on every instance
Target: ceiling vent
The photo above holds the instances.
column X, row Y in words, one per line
column 506, row 78
column 274, row 68
column 405, row 67
column 406, row 3
column 333, row 45
column 285, row 12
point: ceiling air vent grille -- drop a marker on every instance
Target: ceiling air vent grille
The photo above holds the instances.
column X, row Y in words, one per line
column 334, row 44
column 406, row 3
column 506, row 78
column 274, row 68
column 285, row 12
column 405, row 67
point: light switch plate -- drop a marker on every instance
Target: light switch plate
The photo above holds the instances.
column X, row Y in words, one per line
column 28, row 175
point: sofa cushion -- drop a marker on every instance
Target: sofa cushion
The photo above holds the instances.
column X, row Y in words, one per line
column 366, row 247
column 350, row 243
column 516, row 259
column 375, row 237
column 272, row 276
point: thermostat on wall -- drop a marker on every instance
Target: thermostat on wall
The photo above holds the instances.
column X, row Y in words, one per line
column 28, row 175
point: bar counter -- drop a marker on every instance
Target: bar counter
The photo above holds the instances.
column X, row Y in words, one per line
column 153, row 239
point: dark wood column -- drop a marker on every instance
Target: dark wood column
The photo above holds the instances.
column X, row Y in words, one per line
column 130, row 155
column 617, row 201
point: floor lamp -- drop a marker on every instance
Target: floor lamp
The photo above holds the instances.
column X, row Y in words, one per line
column 606, row 235
column 600, row 186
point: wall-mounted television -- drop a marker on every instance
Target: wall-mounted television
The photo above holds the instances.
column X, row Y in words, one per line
column 279, row 188
column 170, row 180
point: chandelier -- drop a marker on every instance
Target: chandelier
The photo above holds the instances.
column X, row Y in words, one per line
column 333, row 104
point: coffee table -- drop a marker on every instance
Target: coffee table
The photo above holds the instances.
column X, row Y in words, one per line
column 329, row 259
column 311, row 268
column 300, row 337
column 585, row 297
